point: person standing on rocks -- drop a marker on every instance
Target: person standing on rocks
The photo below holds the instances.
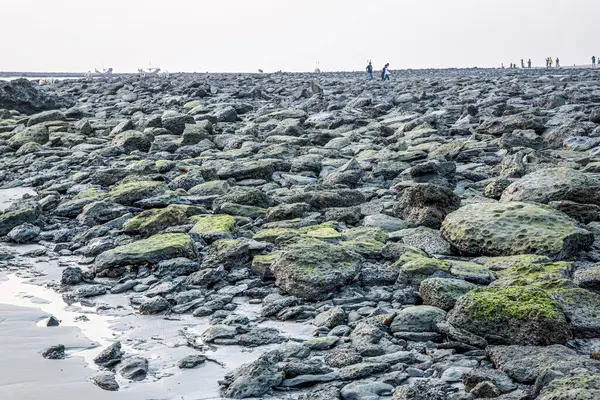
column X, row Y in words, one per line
column 522, row 63
column 370, row 71
column 557, row 62
column 593, row 61
column 529, row 63
column 385, row 74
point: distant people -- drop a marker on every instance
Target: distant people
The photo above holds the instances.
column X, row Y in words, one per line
column 502, row 65
column 550, row 61
column 593, row 61
column 522, row 63
column 529, row 63
column 557, row 63
column 385, row 74
column 547, row 62
column 369, row 71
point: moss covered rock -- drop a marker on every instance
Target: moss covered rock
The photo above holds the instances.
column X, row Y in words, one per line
column 131, row 192
column 551, row 276
column 153, row 221
column 243, row 210
column 311, row 269
column 214, row 227
column 36, row 134
column 443, row 292
column 581, row 386
column 554, row 184
column 414, row 268
column 514, row 228
column 148, row 251
column 515, row 315
column 522, row 260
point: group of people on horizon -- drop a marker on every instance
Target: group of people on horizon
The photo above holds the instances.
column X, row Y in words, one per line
column 594, row 59
column 550, row 62
column 385, row 72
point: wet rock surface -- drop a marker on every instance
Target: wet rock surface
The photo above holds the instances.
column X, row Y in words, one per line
column 438, row 234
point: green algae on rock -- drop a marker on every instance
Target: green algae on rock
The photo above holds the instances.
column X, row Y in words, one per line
column 548, row 276
column 507, row 229
column 580, row 386
column 312, row 269
column 148, row 251
column 131, row 192
column 153, row 221
column 214, row 227
column 517, row 315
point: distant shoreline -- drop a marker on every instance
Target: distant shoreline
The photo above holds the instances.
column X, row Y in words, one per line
column 10, row 74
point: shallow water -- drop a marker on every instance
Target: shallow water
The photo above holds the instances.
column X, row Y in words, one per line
column 7, row 196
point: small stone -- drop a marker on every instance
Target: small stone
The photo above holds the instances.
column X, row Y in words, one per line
column 191, row 361
column 54, row 353
column 106, row 381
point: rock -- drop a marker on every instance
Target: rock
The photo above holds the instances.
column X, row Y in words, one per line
column 426, row 239
column 72, row 276
column 106, row 381
column 25, row 233
column 35, row 134
column 422, row 389
column 426, row 205
column 52, row 322
column 54, row 352
column 110, row 356
column 516, row 315
column 154, row 305
column 417, row 319
column 254, row 379
column 175, row 122
column 366, row 390
column 485, row 390
column 525, row 364
column 191, row 361
column 499, row 379
column 153, row 250
column 554, row 184
column 443, row 293
column 311, row 269
column 331, row 318
column 582, row 309
column 132, row 140
column 15, row 218
column 521, row 138
column 214, row 227
column 342, row 356
column 385, row 222
column 23, row 96
column 133, row 368
column 514, row 228
column 99, row 212
column 153, row 221
column 580, row 385
column 132, row 192
column 588, row 278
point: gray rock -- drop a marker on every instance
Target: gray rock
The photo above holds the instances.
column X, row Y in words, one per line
column 331, row 318
column 54, row 352
column 191, row 361
column 110, row 356
column 154, row 305
column 133, row 368
column 426, row 205
column 25, row 233
column 106, row 381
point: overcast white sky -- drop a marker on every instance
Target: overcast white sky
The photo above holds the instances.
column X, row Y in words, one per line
column 244, row 35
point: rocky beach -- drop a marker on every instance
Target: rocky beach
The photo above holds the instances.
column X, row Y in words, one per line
column 302, row 236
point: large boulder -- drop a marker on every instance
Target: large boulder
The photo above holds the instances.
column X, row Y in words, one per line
column 12, row 219
column 312, row 269
column 148, row 251
column 579, row 386
column 35, row 134
column 514, row 228
column 513, row 315
column 22, row 95
column 525, row 364
column 426, row 205
column 500, row 125
column 554, row 184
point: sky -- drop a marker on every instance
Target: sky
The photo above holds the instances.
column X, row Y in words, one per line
column 247, row 35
